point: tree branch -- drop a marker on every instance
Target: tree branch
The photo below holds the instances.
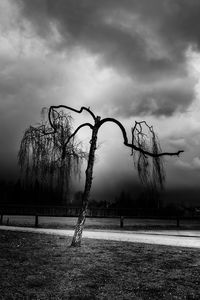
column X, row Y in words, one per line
column 70, row 108
column 126, row 143
column 75, row 132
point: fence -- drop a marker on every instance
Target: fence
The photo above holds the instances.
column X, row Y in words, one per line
column 56, row 211
column 71, row 211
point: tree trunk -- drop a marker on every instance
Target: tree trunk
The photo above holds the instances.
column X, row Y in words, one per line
column 64, row 185
column 76, row 241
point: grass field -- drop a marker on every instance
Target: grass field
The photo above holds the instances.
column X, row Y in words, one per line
column 101, row 223
column 36, row 266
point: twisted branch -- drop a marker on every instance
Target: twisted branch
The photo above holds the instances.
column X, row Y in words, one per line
column 133, row 146
column 53, row 108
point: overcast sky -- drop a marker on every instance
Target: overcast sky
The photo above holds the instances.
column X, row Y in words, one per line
column 132, row 60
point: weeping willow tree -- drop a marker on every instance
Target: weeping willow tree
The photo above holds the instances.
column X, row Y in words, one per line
column 150, row 173
column 45, row 158
column 150, row 168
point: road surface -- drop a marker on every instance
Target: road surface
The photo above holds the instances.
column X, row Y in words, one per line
column 189, row 239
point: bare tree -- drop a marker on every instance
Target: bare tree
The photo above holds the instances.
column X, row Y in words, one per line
column 138, row 145
column 46, row 158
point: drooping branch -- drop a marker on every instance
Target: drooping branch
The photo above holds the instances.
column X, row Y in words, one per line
column 133, row 146
column 151, row 171
column 45, row 157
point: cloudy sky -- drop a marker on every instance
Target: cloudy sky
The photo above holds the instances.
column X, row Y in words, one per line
column 131, row 60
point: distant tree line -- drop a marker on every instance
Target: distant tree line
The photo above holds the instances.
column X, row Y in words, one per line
column 15, row 193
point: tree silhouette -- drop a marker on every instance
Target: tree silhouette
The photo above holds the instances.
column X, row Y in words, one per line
column 144, row 145
column 45, row 158
column 150, row 169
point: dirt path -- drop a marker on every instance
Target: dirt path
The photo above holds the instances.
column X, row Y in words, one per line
column 190, row 239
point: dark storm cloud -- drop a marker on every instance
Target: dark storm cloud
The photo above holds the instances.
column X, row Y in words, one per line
column 145, row 39
column 113, row 29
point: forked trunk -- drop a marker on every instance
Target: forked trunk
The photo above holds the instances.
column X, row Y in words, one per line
column 76, row 241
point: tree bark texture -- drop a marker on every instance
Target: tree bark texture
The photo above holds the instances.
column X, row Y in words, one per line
column 76, row 241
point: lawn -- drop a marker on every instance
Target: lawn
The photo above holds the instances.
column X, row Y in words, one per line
column 38, row 266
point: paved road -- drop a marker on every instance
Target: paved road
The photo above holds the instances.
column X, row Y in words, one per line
column 189, row 239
